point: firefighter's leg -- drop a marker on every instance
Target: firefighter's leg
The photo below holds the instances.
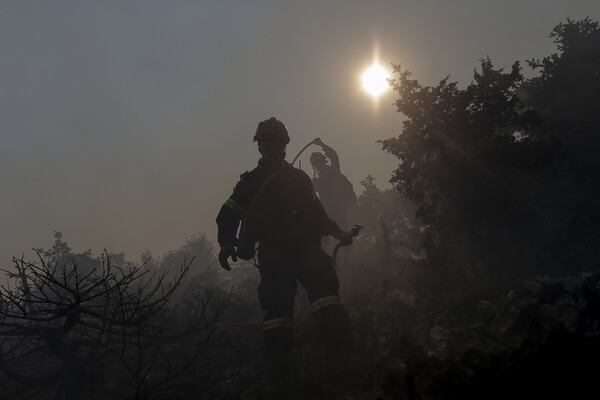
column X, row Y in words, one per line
column 276, row 293
column 319, row 278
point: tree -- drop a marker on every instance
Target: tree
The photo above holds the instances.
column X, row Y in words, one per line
column 100, row 332
column 481, row 162
column 567, row 95
column 386, row 218
column 205, row 273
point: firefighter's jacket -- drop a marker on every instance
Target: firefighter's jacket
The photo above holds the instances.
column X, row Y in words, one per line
column 279, row 208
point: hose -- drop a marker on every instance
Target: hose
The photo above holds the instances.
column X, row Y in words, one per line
column 301, row 151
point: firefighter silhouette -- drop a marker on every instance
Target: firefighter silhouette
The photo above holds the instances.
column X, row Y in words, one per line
column 334, row 189
column 283, row 215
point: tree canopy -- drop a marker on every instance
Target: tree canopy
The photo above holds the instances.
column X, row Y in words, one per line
column 505, row 172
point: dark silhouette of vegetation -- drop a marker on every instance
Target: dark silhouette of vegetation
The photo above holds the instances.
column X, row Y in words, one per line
column 102, row 330
column 505, row 172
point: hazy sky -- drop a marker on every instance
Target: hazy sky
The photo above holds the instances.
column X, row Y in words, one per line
column 125, row 124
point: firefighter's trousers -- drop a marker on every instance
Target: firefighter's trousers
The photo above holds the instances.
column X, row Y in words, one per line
column 312, row 267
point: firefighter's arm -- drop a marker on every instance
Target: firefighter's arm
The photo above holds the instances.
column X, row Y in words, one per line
column 344, row 237
column 228, row 221
column 334, row 159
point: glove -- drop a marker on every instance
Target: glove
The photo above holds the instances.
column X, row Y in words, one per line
column 224, row 254
column 344, row 237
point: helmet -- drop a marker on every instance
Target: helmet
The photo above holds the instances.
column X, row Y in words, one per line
column 271, row 128
column 316, row 158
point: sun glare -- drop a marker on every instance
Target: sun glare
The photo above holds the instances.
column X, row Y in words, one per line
column 374, row 80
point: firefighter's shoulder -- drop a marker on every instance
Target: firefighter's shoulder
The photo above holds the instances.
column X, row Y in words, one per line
column 252, row 175
column 247, row 179
column 244, row 176
column 298, row 173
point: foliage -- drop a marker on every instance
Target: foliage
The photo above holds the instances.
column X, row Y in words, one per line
column 103, row 331
column 203, row 274
column 197, row 246
column 567, row 95
column 375, row 206
column 482, row 163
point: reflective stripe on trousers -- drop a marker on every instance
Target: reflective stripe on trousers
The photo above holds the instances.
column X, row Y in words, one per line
column 284, row 322
column 324, row 302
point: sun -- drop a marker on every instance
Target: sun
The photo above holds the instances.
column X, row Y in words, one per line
column 374, row 80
